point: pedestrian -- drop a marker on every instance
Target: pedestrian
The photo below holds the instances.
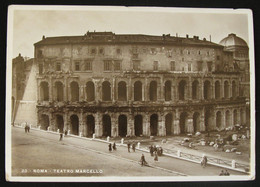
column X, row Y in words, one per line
column 28, row 128
column 128, row 146
column 151, row 150
column 143, row 162
column 133, row 147
column 226, row 173
column 66, row 132
column 204, row 161
column 25, row 128
column 61, row 135
column 155, row 156
column 110, row 147
column 154, row 148
column 114, row 146
column 222, row 173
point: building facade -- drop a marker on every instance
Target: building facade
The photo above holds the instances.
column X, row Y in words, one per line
column 131, row 85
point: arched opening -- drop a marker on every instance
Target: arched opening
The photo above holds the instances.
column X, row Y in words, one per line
column 106, row 125
column 196, row 121
column 90, row 91
column 122, row 125
column 59, row 91
column 207, row 90
column 106, row 91
column 226, row 89
column 168, row 90
column 153, row 91
column 153, row 124
column 90, row 125
column 45, row 122
column 195, row 89
column 235, row 121
column 74, row 91
column 227, row 117
column 218, row 119
column 242, row 116
column 59, row 122
column 207, row 120
column 234, row 89
column 182, row 89
column 168, row 124
column 217, row 90
column 122, row 91
column 138, row 125
column 138, row 91
column 74, row 124
column 183, row 122
column 44, row 91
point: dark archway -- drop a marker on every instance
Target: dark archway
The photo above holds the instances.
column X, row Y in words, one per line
column 183, row 122
column 59, row 122
column 217, row 90
column 90, row 125
column 122, row 125
column 106, row 125
column 122, row 91
column 207, row 90
column 138, row 125
column 59, row 91
column 106, row 91
column 153, row 91
column 154, row 124
column 218, row 119
column 168, row 124
column 227, row 117
column 74, row 91
column 168, row 90
column 195, row 90
column 45, row 122
column 90, row 91
column 196, row 121
column 138, row 91
column 74, row 120
column 226, row 89
column 44, row 91
column 182, row 89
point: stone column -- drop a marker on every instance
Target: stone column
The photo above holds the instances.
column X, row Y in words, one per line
column 160, row 91
column 97, row 91
column 213, row 121
column 52, row 122
column 202, row 123
column 201, row 89
column 130, row 125
column 98, row 124
column 114, row 125
column 222, row 88
column 146, row 125
column 81, row 94
column 81, row 123
column 129, row 90
column 213, row 89
column 161, row 125
column 65, row 118
column 176, row 123
column 50, row 90
column 232, row 118
column 113, row 92
column 189, row 126
column 189, row 89
column 66, row 90
column 175, row 90
column 146, row 90
column 224, row 125
column 238, row 117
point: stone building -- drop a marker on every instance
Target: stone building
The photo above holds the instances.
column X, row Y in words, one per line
column 132, row 85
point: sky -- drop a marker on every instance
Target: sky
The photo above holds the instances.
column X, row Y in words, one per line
column 29, row 24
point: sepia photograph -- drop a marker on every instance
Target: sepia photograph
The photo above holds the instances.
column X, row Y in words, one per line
column 99, row 94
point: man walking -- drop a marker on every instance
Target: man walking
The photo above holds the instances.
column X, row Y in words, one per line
column 143, row 160
column 128, row 146
column 133, row 147
column 61, row 135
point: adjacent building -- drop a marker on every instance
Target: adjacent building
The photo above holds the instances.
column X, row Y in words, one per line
column 131, row 85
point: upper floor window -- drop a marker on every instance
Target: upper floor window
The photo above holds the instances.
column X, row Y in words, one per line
column 136, row 65
column 172, row 65
column 155, row 65
column 117, row 65
column 199, row 52
column 77, row 66
column 40, row 68
column 153, row 51
column 101, row 51
column 189, row 67
column 58, row 66
column 88, row 65
column 93, row 51
column 188, row 52
column 107, row 65
column 118, row 51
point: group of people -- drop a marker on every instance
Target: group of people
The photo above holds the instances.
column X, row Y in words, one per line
column 27, row 128
column 154, row 151
column 110, row 147
column 224, row 173
column 129, row 147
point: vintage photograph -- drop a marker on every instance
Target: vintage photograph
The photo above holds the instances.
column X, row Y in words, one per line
column 129, row 94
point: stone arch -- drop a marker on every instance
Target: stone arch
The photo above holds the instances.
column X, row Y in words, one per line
column 59, row 122
column 168, row 124
column 122, row 125
column 182, row 89
column 217, row 90
column 183, row 122
column 154, row 124
column 122, row 91
column 226, row 89
column 74, row 121
column 74, row 91
column 45, row 122
column 138, row 123
column 106, row 122
column 90, row 91
column 207, row 89
column 168, row 90
column 196, row 121
column 106, row 91
column 44, row 91
column 218, row 119
column 59, row 91
column 90, row 125
column 153, row 91
column 195, row 89
column 138, row 91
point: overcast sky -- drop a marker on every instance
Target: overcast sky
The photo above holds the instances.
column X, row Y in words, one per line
column 30, row 25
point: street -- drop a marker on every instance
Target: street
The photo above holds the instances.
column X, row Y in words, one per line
column 42, row 154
